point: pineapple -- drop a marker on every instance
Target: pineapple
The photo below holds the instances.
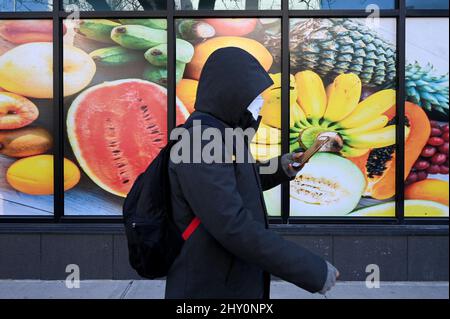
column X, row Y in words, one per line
column 331, row 47
column 334, row 46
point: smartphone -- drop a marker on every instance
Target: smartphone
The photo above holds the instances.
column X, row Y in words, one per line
column 319, row 142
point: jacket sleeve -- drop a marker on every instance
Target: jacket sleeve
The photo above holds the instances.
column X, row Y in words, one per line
column 211, row 191
column 269, row 181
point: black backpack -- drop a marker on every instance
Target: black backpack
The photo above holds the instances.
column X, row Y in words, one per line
column 154, row 241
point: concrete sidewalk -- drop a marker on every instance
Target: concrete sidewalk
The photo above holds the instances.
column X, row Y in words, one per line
column 145, row 289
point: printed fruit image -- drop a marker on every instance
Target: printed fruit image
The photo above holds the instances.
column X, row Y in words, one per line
column 115, row 56
column 361, row 125
column 158, row 74
column 28, row 70
column 26, row 31
column 232, row 26
column 26, row 141
column 205, row 49
column 117, row 128
column 413, row 208
column 335, row 46
column 187, row 92
column 34, row 175
column 16, row 111
column 434, row 156
column 266, row 143
column 379, row 165
column 328, row 185
column 151, row 23
column 157, row 55
column 271, row 110
column 190, row 29
column 96, row 29
column 138, row 37
column 429, row 189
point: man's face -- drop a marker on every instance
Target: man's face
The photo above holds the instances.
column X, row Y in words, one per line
column 255, row 106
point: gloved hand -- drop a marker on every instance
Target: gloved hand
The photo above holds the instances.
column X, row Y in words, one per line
column 287, row 161
column 332, row 276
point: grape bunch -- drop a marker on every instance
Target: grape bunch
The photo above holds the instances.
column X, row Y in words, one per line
column 434, row 156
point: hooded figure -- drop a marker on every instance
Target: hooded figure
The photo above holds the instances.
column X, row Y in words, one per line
column 232, row 253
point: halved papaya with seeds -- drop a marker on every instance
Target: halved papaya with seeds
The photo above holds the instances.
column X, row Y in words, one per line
column 379, row 164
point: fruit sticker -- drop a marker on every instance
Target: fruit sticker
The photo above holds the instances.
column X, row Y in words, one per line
column 26, row 116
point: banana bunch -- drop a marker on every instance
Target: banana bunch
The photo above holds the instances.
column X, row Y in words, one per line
column 336, row 108
column 266, row 143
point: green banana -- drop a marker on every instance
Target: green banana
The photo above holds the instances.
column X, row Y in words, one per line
column 96, row 29
column 138, row 37
column 115, row 56
column 151, row 23
column 158, row 54
column 158, row 74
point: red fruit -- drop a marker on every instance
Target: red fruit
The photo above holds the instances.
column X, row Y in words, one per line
column 232, row 26
column 433, row 169
column 412, row 178
column 434, row 124
column 445, row 128
column 421, row 165
column 444, row 148
column 435, row 141
column 436, row 132
column 428, row 151
column 438, row 159
column 443, row 170
column 445, row 136
column 422, row 175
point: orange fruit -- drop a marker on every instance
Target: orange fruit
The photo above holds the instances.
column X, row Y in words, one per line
column 205, row 49
column 187, row 93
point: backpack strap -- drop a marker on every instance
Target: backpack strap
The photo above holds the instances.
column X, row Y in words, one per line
column 207, row 120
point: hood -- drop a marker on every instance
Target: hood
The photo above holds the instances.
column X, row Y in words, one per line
column 230, row 80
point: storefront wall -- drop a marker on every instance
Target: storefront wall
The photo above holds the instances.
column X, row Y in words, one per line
column 375, row 72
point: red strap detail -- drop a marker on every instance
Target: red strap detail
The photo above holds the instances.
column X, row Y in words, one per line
column 191, row 228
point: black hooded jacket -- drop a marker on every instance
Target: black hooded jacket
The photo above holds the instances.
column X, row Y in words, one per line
column 232, row 253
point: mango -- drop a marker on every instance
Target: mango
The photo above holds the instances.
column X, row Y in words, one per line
column 429, row 189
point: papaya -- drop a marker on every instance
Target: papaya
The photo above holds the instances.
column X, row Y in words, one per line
column 381, row 175
column 429, row 189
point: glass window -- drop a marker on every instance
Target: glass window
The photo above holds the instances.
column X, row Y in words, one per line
column 114, row 5
column 26, row 117
column 344, row 87
column 25, row 5
column 427, row 92
column 198, row 38
column 228, row 4
column 427, row 4
column 116, row 108
column 340, row 4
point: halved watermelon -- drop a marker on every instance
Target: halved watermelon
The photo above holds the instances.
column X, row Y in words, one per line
column 117, row 128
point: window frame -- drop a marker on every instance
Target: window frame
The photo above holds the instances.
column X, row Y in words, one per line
column 400, row 13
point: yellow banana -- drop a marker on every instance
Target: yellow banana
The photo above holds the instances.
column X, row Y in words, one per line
column 267, row 135
column 343, row 97
column 311, row 94
column 348, row 151
column 375, row 124
column 296, row 115
column 263, row 152
column 371, row 107
column 374, row 139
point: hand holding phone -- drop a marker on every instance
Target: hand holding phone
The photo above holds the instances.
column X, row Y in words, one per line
column 318, row 144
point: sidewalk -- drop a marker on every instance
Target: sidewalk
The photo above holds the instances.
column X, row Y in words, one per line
column 143, row 289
